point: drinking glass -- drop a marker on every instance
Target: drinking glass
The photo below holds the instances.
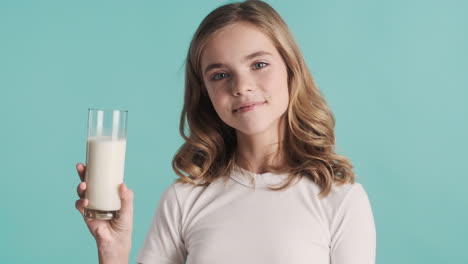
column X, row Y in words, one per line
column 105, row 162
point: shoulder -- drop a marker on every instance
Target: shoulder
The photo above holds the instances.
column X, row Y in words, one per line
column 345, row 199
column 339, row 194
column 187, row 194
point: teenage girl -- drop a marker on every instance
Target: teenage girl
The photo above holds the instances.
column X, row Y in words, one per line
column 259, row 179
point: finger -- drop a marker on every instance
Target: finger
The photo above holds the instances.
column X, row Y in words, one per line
column 81, row 169
column 126, row 200
column 81, row 189
column 80, row 205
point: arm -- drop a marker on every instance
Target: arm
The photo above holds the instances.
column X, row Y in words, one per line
column 164, row 243
column 113, row 237
column 353, row 232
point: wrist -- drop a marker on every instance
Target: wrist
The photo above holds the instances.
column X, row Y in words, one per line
column 114, row 253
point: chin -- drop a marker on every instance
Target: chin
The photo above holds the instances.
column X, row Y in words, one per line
column 253, row 126
column 253, row 129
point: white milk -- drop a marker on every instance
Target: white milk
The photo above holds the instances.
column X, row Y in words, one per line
column 105, row 163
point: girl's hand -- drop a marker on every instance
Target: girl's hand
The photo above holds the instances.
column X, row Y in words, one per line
column 113, row 237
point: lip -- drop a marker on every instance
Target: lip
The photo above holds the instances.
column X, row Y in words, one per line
column 247, row 106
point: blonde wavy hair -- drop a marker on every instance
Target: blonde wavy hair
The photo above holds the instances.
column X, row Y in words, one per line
column 308, row 148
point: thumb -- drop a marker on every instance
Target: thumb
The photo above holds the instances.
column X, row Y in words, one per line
column 126, row 201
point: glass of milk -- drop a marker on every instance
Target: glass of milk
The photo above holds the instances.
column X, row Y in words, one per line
column 105, row 162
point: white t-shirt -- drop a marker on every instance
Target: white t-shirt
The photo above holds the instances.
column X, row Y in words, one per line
column 237, row 222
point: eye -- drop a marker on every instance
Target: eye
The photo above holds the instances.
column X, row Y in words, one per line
column 219, row 76
column 260, row 65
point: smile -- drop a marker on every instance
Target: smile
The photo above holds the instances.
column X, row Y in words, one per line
column 248, row 108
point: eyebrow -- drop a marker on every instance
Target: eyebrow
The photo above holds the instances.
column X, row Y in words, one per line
column 246, row 58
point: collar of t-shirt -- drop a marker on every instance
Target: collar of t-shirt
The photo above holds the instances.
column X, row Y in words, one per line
column 255, row 180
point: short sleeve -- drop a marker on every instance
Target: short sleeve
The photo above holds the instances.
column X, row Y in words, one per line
column 164, row 243
column 353, row 235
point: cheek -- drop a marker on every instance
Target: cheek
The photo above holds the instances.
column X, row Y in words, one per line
column 219, row 102
column 280, row 91
column 278, row 85
column 283, row 81
column 216, row 98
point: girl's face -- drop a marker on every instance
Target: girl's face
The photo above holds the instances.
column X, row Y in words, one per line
column 246, row 79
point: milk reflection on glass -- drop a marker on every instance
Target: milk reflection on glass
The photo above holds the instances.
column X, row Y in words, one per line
column 105, row 162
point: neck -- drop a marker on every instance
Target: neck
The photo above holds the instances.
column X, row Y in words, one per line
column 259, row 151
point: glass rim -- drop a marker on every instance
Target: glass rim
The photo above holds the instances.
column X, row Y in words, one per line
column 106, row 109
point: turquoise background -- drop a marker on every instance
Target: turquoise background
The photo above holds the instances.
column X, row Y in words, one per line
column 393, row 72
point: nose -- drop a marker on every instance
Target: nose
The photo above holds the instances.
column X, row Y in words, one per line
column 242, row 85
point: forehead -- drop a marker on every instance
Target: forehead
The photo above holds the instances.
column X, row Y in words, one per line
column 234, row 42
